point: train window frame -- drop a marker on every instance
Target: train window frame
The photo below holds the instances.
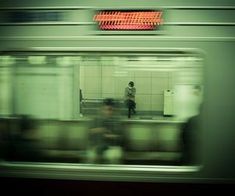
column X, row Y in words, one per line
column 156, row 169
column 112, row 51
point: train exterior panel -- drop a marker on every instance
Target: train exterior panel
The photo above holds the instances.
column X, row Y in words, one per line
column 67, row 29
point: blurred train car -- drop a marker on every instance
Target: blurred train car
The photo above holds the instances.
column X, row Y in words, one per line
column 59, row 60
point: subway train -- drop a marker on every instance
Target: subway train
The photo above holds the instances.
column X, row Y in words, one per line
column 60, row 60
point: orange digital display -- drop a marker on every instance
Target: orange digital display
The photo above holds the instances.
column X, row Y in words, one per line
column 128, row 20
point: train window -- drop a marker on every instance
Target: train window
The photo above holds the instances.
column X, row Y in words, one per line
column 160, row 82
column 64, row 102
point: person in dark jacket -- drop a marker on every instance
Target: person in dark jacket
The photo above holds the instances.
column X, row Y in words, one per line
column 190, row 141
column 105, row 136
column 130, row 92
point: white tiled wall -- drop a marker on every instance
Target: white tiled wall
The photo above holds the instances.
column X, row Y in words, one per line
column 5, row 88
column 44, row 91
column 108, row 79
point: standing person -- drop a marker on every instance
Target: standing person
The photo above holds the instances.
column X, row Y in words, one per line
column 190, row 139
column 105, row 138
column 130, row 92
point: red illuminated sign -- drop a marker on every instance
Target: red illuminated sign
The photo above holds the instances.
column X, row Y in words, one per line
column 128, row 20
